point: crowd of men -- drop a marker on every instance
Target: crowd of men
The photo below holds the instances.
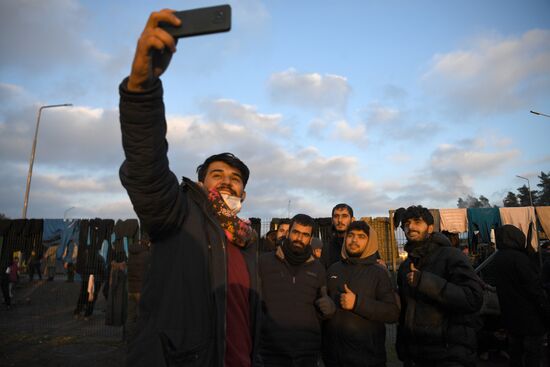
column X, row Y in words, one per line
column 208, row 300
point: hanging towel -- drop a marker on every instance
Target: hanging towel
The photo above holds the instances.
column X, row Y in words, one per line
column 543, row 212
column 435, row 214
column 483, row 220
column 453, row 220
column 523, row 218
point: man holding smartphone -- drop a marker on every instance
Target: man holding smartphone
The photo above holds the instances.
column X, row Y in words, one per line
column 199, row 302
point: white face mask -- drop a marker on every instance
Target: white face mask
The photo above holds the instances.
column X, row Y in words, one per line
column 233, row 202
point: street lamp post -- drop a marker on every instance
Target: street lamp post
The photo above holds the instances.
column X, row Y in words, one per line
column 539, row 113
column 535, row 223
column 528, row 187
column 33, row 151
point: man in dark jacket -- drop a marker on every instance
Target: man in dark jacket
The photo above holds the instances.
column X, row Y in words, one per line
column 440, row 296
column 356, row 334
column 341, row 216
column 294, row 300
column 199, row 301
column 524, row 307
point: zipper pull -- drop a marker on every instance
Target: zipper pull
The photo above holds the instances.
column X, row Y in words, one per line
column 294, row 280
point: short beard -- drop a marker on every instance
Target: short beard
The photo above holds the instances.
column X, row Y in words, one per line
column 354, row 255
column 419, row 242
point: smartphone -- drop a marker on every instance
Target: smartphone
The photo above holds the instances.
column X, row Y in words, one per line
column 196, row 22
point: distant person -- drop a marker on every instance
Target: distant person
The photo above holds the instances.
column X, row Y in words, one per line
column 523, row 304
column 363, row 292
column 200, row 301
column 93, row 275
column 317, row 247
column 341, row 217
column 282, row 230
column 50, row 257
column 34, row 266
column 138, row 263
column 294, row 300
column 440, row 297
column 13, row 275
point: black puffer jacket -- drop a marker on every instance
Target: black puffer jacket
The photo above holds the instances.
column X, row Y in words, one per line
column 291, row 324
column 332, row 251
column 138, row 262
column 357, row 337
column 182, row 307
column 524, row 307
column 438, row 318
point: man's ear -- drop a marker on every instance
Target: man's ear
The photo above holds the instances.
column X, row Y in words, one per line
column 430, row 228
column 353, row 219
column 243, row 196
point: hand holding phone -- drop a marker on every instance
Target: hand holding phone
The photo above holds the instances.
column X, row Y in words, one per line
column 196, row 22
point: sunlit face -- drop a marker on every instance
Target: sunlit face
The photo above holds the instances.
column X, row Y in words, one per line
column 341, row 219
column 300, row 236
column 317, row 252
column 416, row 229
column 282, row 231
column 225, row 179
column 356, row 242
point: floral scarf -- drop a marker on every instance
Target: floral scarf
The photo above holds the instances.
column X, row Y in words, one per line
column 237, row 231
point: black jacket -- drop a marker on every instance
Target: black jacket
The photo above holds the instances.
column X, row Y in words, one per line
column 291, row 324
column 332, row 251
column 138, row 262
column 438, row 318
column 182, row 307
column 357, row 337
column 523, row 304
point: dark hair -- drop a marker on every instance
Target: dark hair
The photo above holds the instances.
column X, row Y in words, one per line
column 359, row 225
column 342, row 206
column 304, row 220
column 228, row 158
column 417, row 212
column 284, row 221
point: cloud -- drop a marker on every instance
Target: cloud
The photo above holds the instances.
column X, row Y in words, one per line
column 355, row 134
column 382, row 115
column 227, row 110
column 389, row 123
column 46, row 35
column 450, row 173
column 68, row 137
column 471, row 162
column 309, row 90
column 493, row 75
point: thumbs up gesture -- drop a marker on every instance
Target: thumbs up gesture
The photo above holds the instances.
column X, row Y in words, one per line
column 413, row 276
column 347, row 299
column 325, row 303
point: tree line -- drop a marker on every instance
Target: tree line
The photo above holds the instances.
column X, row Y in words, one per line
column 540, row 197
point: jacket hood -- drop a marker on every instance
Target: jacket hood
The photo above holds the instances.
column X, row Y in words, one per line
column 370, row 249
column 510, row 237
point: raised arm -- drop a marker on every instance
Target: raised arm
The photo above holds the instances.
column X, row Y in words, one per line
column 152, row 187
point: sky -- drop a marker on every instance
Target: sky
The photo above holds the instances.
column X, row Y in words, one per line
column 378, row 104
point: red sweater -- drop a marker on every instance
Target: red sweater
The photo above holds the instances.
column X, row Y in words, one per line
column 238, row 339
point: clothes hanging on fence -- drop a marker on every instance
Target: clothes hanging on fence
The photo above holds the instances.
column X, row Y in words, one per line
column 453, row 220
column 543, row 213
column 117, row 301
column 483, row 220
column 437, row 219
column 522, row 218
column 60, row 233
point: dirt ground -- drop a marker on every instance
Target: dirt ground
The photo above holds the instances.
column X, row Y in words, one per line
column 39, row 330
